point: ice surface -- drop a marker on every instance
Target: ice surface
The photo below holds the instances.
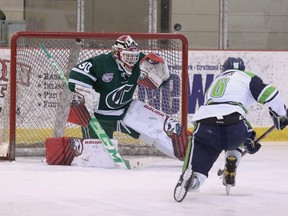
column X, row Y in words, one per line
column 30, row 187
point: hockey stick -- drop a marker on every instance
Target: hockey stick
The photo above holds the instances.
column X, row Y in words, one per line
column 261, row 137
column 221, row 171
column 95, row 125
column 182, row 187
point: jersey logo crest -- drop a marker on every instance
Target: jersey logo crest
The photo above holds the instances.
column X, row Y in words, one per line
column 119, row 97
column 107, row 77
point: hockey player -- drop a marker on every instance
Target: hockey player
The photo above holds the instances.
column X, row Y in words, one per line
column 108, row 82
column 220, row 124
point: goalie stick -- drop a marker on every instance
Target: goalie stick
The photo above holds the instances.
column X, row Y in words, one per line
column 115, row 155
column 221, row 171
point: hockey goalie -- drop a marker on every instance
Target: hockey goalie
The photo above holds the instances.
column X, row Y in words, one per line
column 104, row 86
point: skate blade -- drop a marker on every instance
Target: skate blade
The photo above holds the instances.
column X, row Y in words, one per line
column 228, row 187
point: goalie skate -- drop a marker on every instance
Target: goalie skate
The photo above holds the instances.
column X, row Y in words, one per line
column 183, row 185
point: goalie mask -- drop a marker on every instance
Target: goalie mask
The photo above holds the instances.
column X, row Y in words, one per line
column 234, row 63
column 126, row 52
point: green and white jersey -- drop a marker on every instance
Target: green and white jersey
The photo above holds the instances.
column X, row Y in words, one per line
column 234, row 91
column 115, row 86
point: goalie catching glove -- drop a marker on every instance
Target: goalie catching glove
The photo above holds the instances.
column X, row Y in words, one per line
column 154, row 71
column 249, row 144
column 280, row 122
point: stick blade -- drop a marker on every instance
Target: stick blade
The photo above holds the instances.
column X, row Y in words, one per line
column 135, row 163
column 182, row 186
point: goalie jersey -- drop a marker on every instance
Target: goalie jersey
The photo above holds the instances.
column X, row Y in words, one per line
column 105, row 76
column 235, row 90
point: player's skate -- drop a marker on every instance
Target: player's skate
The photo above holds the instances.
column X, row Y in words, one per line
column 197, row 181
column 229, row 173
column 189, row 181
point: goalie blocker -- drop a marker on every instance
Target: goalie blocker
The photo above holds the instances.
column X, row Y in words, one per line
column 156, row 128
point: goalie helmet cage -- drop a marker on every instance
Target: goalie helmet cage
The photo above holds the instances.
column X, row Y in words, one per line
column 37, row 101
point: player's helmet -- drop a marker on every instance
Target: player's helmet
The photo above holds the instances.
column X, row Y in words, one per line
column 126, row 52
column 233, row 63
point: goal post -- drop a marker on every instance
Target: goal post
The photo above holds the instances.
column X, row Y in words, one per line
column 36, row 99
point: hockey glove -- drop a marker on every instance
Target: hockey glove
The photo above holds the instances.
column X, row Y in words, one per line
column 154, row 71
column 280, row 122
column 91, row 98
column 249, row 144
column 78, row 113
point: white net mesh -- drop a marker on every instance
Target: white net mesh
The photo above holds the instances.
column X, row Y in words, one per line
column 42, row 100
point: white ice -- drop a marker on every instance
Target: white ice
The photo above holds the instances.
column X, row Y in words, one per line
column 30, row 187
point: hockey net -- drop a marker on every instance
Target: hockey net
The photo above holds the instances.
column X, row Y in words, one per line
column 36, row 102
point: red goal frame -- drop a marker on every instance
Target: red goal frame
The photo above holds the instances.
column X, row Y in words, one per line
column 83, row 35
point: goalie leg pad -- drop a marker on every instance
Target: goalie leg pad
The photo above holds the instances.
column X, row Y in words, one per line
column 166, row 134
column 179, row 136
column 95, row 154
column 62, row 150
column 78, row 152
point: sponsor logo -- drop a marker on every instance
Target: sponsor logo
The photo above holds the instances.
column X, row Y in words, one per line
column 92, row 141
column 152, row 109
